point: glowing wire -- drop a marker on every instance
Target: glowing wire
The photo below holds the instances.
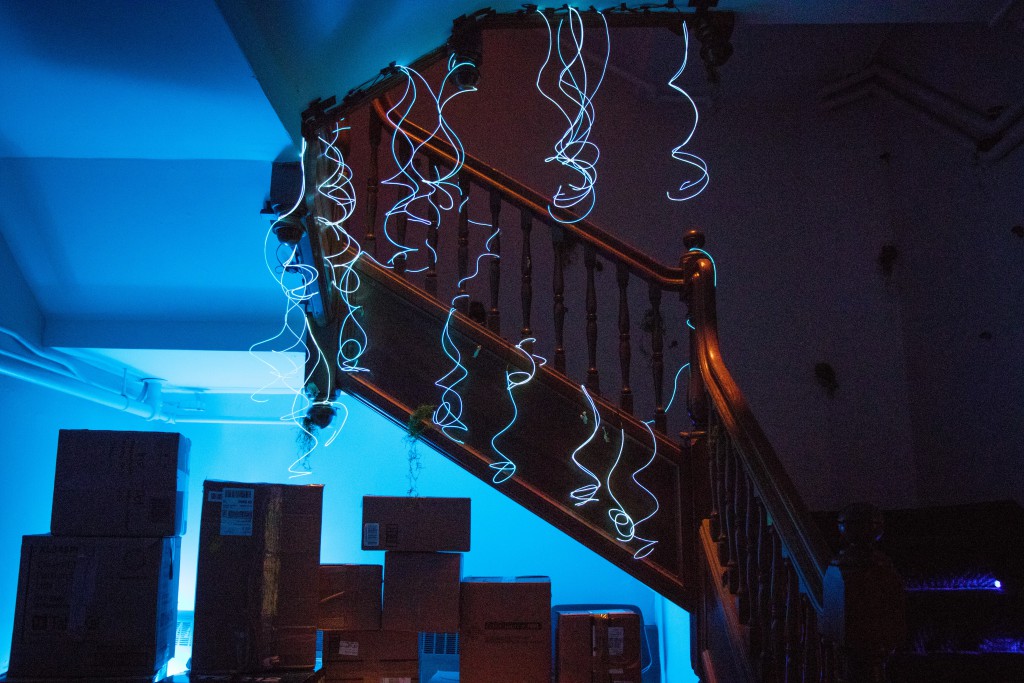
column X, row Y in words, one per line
column 505, row 469
column 648, row 545
column 439, row 192
column 625, row 527
column 338, row 188
column 574, row 150
column 693, row 187
column 448, row 414
column 295, row 298
column 675, row 385
column 587, row 494
column 714, row 268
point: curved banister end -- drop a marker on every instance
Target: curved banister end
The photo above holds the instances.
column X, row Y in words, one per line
column 693, row 239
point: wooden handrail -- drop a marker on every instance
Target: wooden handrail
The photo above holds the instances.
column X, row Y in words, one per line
column 520, row 195
column 803, row 543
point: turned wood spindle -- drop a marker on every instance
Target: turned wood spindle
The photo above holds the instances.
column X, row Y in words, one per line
column 526, row 276
column 590, row 265
column 462, row 300
column 625, row 352
column 493, row 314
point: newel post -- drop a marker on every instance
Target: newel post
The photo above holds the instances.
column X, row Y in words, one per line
column 697, row 400
column 864, row 600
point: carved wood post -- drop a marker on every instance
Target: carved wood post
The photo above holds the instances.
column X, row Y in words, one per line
column 372, row 187
column 864, row 600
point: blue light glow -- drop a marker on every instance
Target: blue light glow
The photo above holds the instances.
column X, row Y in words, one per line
column 587, row 494
column 966, row 582
column 574, row 150
column 1010, row 645
column 692, row 187
column 675, row 385
column 506, row 468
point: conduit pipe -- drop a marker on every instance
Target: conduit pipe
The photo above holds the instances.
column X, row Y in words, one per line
column 151, row 408
column 33, row 374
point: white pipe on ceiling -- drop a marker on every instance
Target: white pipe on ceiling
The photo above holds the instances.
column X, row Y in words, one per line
column 151, row 407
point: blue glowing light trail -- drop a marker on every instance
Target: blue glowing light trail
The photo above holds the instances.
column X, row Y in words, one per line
column 692, row 187
column 505, row 468
column 574, row 149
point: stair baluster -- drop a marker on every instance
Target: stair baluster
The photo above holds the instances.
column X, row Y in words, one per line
column 493, row 314
column 792, row 629
column 740, row 535
column 372, row 187
column 590, row 263
column 462, row 302
column 433, row 235
column 657, row 357
column 625, row 352
column 526, row 275
column 558, row 287
column 761, row 620
column 748, row 587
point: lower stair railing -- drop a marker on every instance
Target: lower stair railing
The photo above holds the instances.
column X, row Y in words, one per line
column 773, row 605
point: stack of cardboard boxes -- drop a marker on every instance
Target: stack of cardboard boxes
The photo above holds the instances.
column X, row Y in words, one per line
column 366, row 641
column 97, row 597
column 504, row 624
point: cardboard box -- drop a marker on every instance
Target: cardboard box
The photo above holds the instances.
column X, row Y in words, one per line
column 416, row 524
column 256, row 584
column 120, row 484
column 574, row 647
column 421, row 591
column 506, row 630
column 371, row 656
column 350, row 597
column 594, row 646
column 95, row 607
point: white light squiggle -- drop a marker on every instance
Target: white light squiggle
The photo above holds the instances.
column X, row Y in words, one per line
column 289, row 338
column 625, row 527
column 648, row 545
column 588, row 493
column 692, row 187
column 505, row 468
column 438, row 192
column 574, row 150
column 338, row 188
column 448, row 414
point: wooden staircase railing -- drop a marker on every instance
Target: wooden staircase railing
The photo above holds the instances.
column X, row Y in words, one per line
column 405, row 305
column 791, row 611
column 768, row 601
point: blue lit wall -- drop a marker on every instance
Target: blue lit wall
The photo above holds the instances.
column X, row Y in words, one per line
column 369, row 458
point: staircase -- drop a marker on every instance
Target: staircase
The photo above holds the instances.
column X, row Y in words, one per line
column 507, row 373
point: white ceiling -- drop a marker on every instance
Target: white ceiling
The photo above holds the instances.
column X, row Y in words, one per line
column 136, row 141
